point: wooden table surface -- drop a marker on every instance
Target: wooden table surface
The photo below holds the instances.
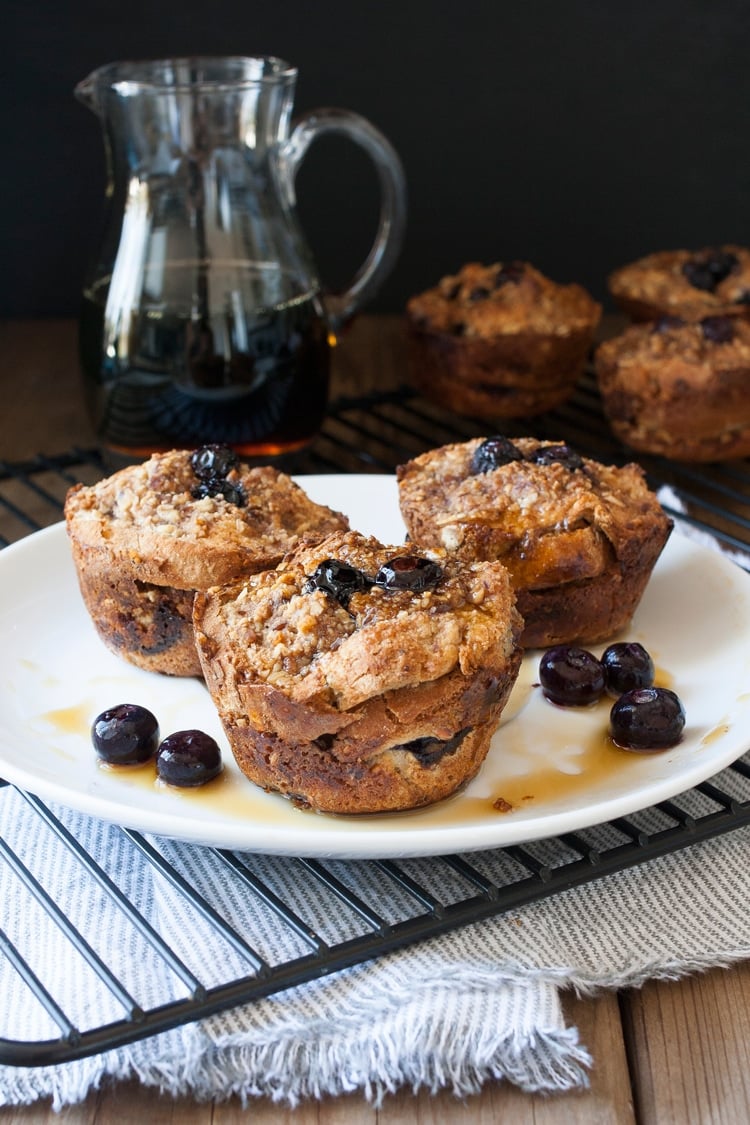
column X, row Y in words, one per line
column 676, row 1052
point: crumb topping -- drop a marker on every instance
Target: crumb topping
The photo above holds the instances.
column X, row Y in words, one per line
column 155, row 498
column 308, row 643
column 518, row 499
column 707, row 346
column 679, row 280
column 502, row 299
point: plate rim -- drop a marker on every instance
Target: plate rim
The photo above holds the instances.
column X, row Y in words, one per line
column 354, row 841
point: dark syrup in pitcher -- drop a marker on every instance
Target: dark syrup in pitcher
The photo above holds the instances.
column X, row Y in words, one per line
column 168, row 378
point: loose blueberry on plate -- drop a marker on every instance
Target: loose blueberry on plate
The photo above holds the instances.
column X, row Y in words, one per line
column 647, row 719
column 125, row 735
column 571, row 676
column 188, row 758
column 627, row 665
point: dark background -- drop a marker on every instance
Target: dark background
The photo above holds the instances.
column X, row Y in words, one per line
column 573, row 135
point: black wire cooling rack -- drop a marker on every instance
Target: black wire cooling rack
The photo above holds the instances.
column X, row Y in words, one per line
column 378, row 906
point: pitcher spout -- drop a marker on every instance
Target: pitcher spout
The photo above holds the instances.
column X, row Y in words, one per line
column 86, row 92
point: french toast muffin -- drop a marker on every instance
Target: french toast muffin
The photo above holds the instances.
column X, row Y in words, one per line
column 691, row 283
column 679, row 388
column 147, row 537
column 500, row 340
column 579, row 538
column 358, row 677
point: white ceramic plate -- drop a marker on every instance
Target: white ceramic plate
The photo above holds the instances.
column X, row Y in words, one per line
column 552, row 765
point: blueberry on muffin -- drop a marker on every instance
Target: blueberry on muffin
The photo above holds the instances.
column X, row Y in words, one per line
column 690, row 283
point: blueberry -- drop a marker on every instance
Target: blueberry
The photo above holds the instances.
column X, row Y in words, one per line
column 706, row 271
column 409, row 572
column 571, row 676
column 429, row 750
column 510, row 272
column 717, row 329
column 213, row 461
column 479, row 293
column 627, row 665
column 722, row 263
column 337, row 579
column 216, row 486
column 647, row 719
column 125, row 735
column 492, row 453
column 699, row 276
column 557, row 455
column 188, row 758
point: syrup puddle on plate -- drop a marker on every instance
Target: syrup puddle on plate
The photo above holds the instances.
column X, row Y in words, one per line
column 70, row 720
column 584, row 763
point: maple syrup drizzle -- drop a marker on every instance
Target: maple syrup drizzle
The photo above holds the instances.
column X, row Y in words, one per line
column 231, row 794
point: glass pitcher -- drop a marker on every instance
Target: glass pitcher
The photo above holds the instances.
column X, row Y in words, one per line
column 203, row 317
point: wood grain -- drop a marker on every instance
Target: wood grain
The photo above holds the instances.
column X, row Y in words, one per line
column 689, row 1044
column 669, row 1054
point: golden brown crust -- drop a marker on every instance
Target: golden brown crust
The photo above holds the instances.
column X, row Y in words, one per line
column 579, row 544
column 145, row 516
column 672, row 389
column 390, row 780
column 500, row 340
column 142, row 545
column 385, row 702
column 148, row 625
column 659, row 283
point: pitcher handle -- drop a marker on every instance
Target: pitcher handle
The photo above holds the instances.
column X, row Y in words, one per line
column 389, row 236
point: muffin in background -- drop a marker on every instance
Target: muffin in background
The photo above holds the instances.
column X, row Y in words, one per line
column 690, row 283
column 359, row 677
column 679, row 388
column 579, row 538
column 500, row 340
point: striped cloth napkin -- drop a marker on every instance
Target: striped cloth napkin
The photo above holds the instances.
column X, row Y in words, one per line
column 455, row 1011
column 479, row 1004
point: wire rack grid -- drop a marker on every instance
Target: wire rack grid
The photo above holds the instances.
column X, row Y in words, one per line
column 376, row 906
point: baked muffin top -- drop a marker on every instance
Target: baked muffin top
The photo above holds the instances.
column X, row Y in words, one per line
column 188, row 530
column 662, row 349
column 482, row 301
column 695, row 282
column 347, row 619
column 550, row 515
column 679, row 388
